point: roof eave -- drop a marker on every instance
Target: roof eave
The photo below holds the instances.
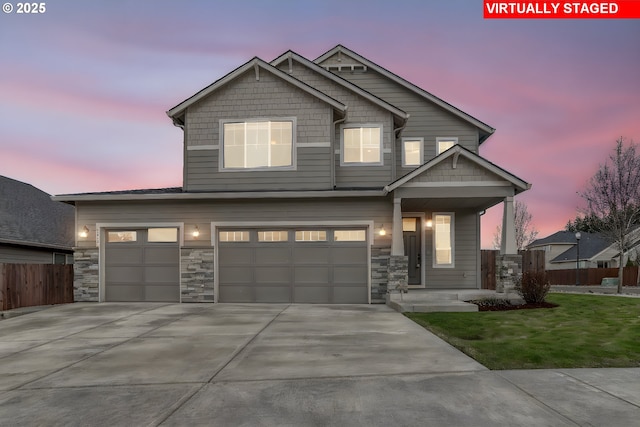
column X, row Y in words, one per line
column 438, row 101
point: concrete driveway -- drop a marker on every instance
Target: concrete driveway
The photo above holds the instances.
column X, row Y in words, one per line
column 232, row 364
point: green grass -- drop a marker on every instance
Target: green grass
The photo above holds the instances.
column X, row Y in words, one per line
column 585, row 331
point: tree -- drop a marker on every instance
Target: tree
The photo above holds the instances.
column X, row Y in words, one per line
column 613, row 196
column 525, row 231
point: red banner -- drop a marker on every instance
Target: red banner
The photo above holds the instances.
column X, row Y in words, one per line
column 623, row 9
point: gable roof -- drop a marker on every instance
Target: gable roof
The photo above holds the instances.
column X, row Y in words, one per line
column 458, row 150
column 485, row 129
column 591, row 244
column 29, row 217
column 177, row 112
column 291, row 55
column 562, row 237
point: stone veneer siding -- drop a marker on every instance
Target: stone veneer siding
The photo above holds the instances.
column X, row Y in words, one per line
column 86, row 273
column 196, row 275
column 379, row 273
column 508, row 269
column 398, row 273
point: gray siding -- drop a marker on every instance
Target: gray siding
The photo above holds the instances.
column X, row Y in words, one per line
column 379, row 210
column 248, row 98
column 427, row 120
column 360, row 111
column 22, row 255
column 465, row 275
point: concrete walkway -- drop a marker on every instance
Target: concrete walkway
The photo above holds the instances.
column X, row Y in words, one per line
column 276, row 365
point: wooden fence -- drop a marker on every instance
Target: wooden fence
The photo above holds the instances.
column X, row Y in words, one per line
column 592, row 276
column 531, row 261
column 26, row 285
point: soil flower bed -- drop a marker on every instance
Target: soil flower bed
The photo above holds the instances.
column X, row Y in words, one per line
column 505, row 305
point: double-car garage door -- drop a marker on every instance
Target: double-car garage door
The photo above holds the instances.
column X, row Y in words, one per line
column 310, row 265
column 299, row 265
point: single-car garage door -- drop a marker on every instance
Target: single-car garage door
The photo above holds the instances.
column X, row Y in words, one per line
column 142, row 265
column 300, row 265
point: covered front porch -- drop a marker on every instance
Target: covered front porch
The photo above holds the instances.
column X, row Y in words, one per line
column 446, row 198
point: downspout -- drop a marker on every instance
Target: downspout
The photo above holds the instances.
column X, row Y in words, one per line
column 396, row 133
column 333, row 151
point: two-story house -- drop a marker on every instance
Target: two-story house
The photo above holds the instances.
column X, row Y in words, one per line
column 304, row 181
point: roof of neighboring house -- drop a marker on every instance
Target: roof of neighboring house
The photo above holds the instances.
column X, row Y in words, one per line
column 485, row 129
column 557, row 238
column 591, row 244
column 29, row 217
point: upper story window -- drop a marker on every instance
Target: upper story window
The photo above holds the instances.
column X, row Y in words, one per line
column 444, row 143
column 361, row 144
column 412, row 151
column 257, row 144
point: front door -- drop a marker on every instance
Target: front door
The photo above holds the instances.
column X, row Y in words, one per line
column 412, row 248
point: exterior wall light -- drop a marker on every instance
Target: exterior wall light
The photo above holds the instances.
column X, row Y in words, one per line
column 382, row 231
column 84, row 233
column 196, row 232
column 429, row 223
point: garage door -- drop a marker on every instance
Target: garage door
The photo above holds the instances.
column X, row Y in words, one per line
column 142, row 265
column 310, row 265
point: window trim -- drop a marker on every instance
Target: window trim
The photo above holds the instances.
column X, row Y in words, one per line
column 404, row 158
column 362, row 126
column 452, row 236
column 443, row 139
column 294, row 159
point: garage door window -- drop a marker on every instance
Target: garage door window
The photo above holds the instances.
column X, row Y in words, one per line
column 311, row 236
column 349, row 236
column 122, row 236
column 273, row 236
column 159, row 235
column 233, row 236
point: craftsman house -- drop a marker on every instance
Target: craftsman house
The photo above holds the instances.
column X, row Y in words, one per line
column 324, row 181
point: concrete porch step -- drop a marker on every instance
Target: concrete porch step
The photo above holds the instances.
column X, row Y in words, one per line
column 432, row 306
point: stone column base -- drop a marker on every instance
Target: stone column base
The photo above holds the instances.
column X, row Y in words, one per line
column 398, row 272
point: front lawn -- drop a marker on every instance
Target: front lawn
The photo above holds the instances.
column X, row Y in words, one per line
column 584, row 331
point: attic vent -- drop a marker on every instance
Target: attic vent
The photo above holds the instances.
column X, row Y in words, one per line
column 346, row 67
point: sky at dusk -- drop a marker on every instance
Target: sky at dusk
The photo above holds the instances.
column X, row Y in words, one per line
column 84, row 87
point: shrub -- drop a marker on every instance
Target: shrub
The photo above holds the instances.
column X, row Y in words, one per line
column 533, row 286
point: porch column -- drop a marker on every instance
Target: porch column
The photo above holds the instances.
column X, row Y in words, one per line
column 397, row 244
column 508, row 245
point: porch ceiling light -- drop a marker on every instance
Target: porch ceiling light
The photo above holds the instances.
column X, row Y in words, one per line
column 84, row 233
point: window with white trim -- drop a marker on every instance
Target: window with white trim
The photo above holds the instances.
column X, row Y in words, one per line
column 257, row 144
column 443, row 240
column 361, row 144
column 444, row 143
column 412, row 149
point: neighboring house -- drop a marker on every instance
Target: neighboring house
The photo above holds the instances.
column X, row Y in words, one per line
column 304, row 181
column 596, row 251
column 33, row 228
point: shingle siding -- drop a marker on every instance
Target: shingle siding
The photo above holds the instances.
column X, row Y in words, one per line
column 248, row 98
